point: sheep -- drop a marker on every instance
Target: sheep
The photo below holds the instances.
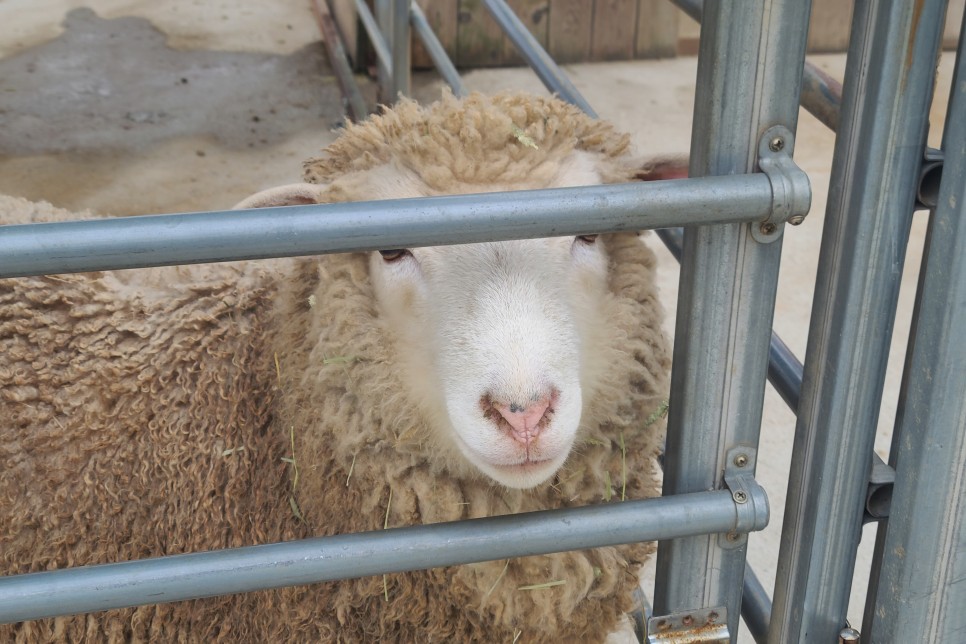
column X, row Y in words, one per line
column 171, row 410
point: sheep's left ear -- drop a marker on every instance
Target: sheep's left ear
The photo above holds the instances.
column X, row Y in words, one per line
column 661, row 169
column 294, row 194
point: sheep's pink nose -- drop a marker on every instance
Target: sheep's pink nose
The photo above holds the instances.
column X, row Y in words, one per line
column 526, row 422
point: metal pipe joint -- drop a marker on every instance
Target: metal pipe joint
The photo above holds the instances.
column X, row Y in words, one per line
column 751, row 502
column 791, row 190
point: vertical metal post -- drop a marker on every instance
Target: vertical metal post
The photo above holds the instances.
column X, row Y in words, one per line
column 881, row 139
column 749, row 79
column 919, row 593
column 399, row 45
column 384, row 13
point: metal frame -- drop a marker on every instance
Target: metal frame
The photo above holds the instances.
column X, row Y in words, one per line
column 880, row 145
column 921, row 597
column 724, row 344
column 158, row 240
column 173, row 578
column 729, row 278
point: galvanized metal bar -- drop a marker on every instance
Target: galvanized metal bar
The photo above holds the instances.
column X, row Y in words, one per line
column 821, row 94
column 399, row 44
column 162, row 240
column 536, row 56
column 785, row 374
column 919, row 592
column 436, row 51
column 166, row 579
column 784, row 368
column 376, row 36
column 755, row 606
column 880, row 143
column 384, row 70
column 728, row 285
column 355, row 104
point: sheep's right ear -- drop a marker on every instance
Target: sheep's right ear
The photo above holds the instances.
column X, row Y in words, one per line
column 294, row 194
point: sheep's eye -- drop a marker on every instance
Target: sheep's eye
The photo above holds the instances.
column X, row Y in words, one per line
column 394, row 254
column 587, row 239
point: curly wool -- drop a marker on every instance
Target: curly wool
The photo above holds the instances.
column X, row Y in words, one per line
column 150, row 413
column 474, row 144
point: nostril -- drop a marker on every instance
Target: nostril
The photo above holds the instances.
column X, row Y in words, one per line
column 526, row 422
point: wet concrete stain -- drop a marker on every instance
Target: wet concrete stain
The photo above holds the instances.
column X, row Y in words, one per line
column 115, row 84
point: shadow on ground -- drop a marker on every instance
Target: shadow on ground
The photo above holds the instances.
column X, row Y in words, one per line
column 115, row 84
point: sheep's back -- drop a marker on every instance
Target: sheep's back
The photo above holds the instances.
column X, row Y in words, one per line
column 135, row 408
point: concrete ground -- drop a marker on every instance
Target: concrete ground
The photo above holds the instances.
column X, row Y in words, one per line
column 134, row 107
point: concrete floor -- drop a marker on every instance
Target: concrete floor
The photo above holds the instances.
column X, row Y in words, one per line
column 134, row 107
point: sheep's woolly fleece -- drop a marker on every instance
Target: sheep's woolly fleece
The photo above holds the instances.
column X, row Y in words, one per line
column 158, row 412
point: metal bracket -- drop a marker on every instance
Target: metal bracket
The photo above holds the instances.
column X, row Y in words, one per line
column 708, row 625
column 751, row 502
column 878, row 497
column 790, row 188
column 930, row 176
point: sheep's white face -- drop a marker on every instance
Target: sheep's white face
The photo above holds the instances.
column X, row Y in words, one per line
column 491, row 336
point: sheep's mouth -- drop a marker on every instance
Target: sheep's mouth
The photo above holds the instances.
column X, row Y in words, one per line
column 524, row 466
column 528, row 465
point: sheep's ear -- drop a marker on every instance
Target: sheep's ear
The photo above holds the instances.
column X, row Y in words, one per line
column 661, row 169
column 294, row 194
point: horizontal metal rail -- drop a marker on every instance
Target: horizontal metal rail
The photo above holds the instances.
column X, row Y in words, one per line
column 191, row 576
column 536, row 56
column 436, row 51
column 164, row 240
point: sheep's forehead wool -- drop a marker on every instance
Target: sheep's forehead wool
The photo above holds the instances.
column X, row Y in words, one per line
column 479, row 143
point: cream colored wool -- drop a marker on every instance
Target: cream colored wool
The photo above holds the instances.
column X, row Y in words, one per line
column 149, row 412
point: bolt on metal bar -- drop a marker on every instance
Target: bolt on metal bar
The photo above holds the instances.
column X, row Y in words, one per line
column 399, row 45
column 918, row 593
column 881, row 138
column 728, row 284
column 821, row 94
column 164, row 240
column 173, row 578
column 436, row 51
column 537, row 58
column 375, row 37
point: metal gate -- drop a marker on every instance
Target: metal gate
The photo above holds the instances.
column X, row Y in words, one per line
column 745, row 188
